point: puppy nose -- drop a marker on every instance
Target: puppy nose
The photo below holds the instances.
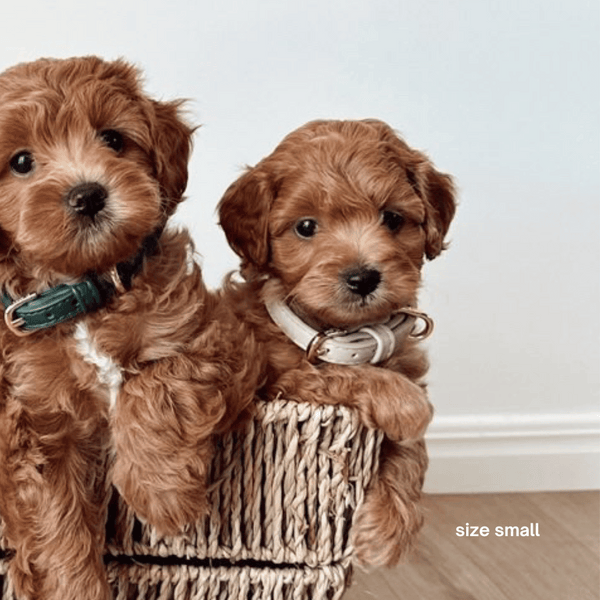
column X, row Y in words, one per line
column 87, row 199
column 363, row 281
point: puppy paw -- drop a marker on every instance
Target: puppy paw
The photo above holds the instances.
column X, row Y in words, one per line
column 396, row 405
column 163, row 427
column 166, row 505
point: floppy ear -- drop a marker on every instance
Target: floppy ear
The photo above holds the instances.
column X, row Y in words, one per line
column 437, row 191
column 172, row 146
column 244, row 217
column 442, row 206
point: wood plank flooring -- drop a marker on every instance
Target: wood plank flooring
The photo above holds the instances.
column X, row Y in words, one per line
column 563, row 563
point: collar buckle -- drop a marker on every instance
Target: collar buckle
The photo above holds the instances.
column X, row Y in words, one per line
column 15, row 325
column 313, row 349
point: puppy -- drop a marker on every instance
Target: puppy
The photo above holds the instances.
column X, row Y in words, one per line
column 111, row 349
column 333, row 229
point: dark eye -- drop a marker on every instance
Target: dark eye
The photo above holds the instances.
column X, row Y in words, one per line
column 113, row 139
column 306, row 228
column 392, row 220
column 22, row 163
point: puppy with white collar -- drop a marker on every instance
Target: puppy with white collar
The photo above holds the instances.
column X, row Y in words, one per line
column 333, row 229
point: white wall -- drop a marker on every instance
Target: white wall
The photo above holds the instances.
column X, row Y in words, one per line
column 504, row 95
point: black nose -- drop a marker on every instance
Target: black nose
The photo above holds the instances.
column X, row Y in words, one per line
column 363, row 281
column 87, row 199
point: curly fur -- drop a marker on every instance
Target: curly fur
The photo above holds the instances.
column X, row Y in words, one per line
column 170, row 356
column 347, row 177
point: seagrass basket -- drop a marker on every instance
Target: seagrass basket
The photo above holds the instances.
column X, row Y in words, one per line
column 284, row 492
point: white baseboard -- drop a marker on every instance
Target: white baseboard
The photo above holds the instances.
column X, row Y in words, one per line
column 513, row 453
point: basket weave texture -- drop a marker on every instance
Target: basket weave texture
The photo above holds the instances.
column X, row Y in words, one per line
column 284, row 492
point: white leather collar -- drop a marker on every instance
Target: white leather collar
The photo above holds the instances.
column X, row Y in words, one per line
column 369, row 344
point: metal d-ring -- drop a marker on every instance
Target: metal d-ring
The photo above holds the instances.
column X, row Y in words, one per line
column 116, row 280
column 428, row 323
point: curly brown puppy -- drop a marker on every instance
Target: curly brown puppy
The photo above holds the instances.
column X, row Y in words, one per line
column 333, row 229
column 111, row 348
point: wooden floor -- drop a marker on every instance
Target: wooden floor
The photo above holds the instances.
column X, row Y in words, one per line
column 563, row 563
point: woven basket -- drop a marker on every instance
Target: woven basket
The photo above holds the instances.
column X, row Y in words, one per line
column 284, row 492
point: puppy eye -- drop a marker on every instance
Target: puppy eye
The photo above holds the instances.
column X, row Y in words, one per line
column 306, row 228
column 392, row 220
column 113, row 139
column 22, row 163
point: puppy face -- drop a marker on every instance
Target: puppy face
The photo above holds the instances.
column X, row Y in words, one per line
column 343, row 215
column 89, row 166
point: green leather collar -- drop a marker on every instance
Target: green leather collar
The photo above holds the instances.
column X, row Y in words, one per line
column 42, row 311
column 35, row 312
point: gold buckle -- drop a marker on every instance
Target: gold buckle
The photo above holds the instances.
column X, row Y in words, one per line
column 313, row 350
column 15, row 326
